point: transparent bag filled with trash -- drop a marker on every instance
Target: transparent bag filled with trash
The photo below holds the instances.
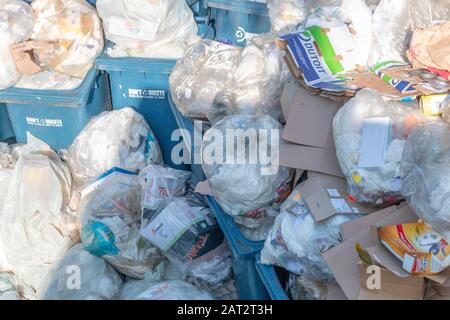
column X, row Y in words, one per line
column 187, row 233
column 16, row 24
column 252, row 77
column 150, row 29
column 36, row 226
column 296, row 241
column 425, row 171
column 155, row 287
column 72, row 32
column 110, row 214
column 242, row 188
column 370, row 135
column 82, row 276
column 394, row 22
column 120, row 138
column 302, row 288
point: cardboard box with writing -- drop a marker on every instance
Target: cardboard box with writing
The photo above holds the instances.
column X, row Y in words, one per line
column 308, row 134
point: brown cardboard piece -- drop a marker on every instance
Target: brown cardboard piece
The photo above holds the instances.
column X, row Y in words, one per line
column 326, row 196
column 308, row 135
column 343, row 261
column 23, row 57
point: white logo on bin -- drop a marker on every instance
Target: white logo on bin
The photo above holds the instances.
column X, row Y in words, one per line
column 240, row 34
column 146, row 94
column 44, row 122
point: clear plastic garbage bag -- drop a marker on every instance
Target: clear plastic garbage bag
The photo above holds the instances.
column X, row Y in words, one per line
column 120, row 138
column 296, row 242
column 151, row 29
column 16, row 24
column 377, row 183
column 74, row 33
column 254, row 184
column 83, row 276
column 110, row 225
column 35, row 231
column 154, row 287
column 425, row 173
column 394, row 22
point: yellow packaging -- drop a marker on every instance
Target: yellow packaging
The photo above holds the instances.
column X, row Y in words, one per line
column 432, row 105
column 422, row 250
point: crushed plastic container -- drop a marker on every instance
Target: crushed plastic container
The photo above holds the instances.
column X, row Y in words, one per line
column 235, row 20
column 273, row 279
column 56, row 116
column 143, row 83
column 6, row 131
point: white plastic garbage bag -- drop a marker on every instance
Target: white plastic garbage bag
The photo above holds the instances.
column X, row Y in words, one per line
column 370, row 135
column 48, row 80
column 16, row 24
column 34, row 229
column 110, row 224
column 425, row 173
column 296, row 242
column 285, row 14
column 83, row 276
column 119, row 138
column 151, row 29
column 74, row 33
column 394, row 21
column 243, row 188
column 154, row 287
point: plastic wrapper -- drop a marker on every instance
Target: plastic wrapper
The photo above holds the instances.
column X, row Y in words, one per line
column 242, row 188
column 110, row 225
column 48, row 80
column 151, row 29
column 367, row 124
column 252, row 78
column 82, row 276
column 73, row 32
column 159, row 184
column 425, row 171
column 35, row 231
column 189, row 236
column 119, row 138
column 296, row 242
column 394, row 21
column 16, row 24
column 154, row 287
column 285, row 14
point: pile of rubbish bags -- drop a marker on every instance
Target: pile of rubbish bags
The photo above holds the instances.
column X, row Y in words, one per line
column 90, row 236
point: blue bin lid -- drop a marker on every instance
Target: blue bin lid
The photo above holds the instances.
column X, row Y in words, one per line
column 67, row 98
column 249, row 7
column 270, row 280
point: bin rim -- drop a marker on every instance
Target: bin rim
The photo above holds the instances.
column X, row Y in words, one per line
column 270, row 280
column 66, row 98
column 243, row 6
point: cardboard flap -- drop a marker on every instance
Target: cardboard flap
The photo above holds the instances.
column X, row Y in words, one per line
column 310, row 158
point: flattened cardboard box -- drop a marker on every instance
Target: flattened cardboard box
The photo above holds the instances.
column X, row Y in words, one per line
column 326, row 196
column 343, row 262
column 308, row 135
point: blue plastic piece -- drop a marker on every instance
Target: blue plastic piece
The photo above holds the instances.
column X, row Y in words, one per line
column 6, row 131
column 271, row 281
column 234, row 20
column 56, row 116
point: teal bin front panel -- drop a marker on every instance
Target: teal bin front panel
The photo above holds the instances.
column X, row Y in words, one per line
column 58, row 124
column 234, row 20
column 6, row 131
column 148, row 93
